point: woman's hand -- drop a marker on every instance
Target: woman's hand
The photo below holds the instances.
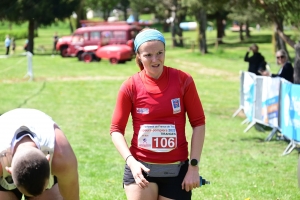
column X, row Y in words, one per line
column 191, row 179
column 136, row 170
column 264, row 73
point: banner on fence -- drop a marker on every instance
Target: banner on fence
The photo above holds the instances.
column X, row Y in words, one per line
column 290, row 110
column 270, row 101
column 249, row 97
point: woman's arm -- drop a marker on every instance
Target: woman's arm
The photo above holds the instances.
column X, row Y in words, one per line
column 135, row 166
column 191, row 179
column 117, row 131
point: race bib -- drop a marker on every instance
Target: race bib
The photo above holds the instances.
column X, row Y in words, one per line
column 157, row 137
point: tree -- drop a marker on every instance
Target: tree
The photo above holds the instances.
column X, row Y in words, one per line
column 280, row 12
column 208, row 9
column 138, row 6
column 124, row 5
column 36, row 12
column 105, row 6
column 80, row 13
column 245, row 12
column 197, row 9
column 297, row 65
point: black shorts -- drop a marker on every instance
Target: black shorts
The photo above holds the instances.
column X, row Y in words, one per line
column 169, row 187
column 18, row 193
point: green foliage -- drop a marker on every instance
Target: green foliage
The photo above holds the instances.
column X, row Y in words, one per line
column 43, row 12
column 16, row 34
column 105, row 6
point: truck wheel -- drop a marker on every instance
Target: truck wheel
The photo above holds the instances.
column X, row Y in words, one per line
column 79, row 56
column 87, row 57
column 64, row 51
column 113, row 61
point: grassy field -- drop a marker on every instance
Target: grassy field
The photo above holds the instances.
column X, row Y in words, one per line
column 80, row 97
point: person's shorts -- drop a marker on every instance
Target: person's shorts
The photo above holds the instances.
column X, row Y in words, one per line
column 18, row 193
column 169, row 187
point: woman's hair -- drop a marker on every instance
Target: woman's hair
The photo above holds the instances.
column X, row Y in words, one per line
column 144, row 37
column 254, row 47
column 283, row 53
column 31, row 170
column 139, row 63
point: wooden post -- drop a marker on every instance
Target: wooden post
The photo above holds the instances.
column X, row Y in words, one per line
column 217, row 43
column 192, row 45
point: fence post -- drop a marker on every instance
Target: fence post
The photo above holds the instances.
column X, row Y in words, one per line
column 193, row 45
column 29, row 66
column 217, row 43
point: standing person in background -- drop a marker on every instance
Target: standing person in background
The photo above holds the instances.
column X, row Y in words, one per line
column 7, row 44
column 55, row 40
column 255, row 60
column 286, row 70
column 36, row 159
column 157, row 164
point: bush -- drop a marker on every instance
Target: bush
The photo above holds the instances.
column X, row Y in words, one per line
column 17, row 34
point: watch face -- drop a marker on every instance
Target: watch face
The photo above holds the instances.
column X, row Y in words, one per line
column 194, row 162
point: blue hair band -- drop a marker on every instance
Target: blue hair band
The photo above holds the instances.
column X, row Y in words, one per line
column 147, row 35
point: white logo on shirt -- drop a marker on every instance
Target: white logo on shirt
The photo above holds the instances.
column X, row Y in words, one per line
column 142, row 110
column 176, row 105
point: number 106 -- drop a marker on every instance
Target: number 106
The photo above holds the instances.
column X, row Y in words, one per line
column 163, row 142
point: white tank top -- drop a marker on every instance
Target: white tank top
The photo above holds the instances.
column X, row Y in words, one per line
column 40, row 128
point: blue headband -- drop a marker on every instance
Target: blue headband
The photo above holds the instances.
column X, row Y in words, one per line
column 147, row 35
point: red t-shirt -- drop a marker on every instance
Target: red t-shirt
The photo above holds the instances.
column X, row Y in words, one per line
column 150, row 102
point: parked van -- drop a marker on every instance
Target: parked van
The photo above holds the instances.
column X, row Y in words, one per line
column 100, row 35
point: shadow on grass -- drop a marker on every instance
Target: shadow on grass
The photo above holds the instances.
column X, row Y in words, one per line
column 33, row 95
column 263, row 38
column 257, row 139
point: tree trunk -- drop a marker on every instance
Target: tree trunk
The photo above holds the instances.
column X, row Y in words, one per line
column 179, row 33
column 280, row 43
column 247, row 29
column 36, row 27
column 241, row 32
column 81, row 14
column 177, row 19
column 78, row 18
column 173, row 26
column 71, row 25
column 31, row 35
column 125, row 13
column 220, row 28
column 297, row 64
column 202, row 21
column 286, row 38
column 105, row 14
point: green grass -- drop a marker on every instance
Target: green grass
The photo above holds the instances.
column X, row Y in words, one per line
column 80, row 97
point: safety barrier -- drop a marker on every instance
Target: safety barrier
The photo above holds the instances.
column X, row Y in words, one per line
column 272, row 102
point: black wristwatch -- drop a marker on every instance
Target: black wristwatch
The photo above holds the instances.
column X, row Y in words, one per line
column 194, row 162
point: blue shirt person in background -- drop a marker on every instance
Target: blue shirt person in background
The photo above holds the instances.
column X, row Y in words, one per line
column 7, row 44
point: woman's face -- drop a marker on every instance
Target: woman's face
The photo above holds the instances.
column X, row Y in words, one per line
column 281, row 59
column 152, row 56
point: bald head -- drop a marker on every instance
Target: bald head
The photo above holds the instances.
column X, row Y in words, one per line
column 30, row 170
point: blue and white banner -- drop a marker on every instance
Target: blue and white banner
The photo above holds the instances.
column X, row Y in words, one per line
column 249, row 97
column 290, row 110
column 270, row 101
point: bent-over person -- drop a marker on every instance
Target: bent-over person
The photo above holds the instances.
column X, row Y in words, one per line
column 37, row 160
